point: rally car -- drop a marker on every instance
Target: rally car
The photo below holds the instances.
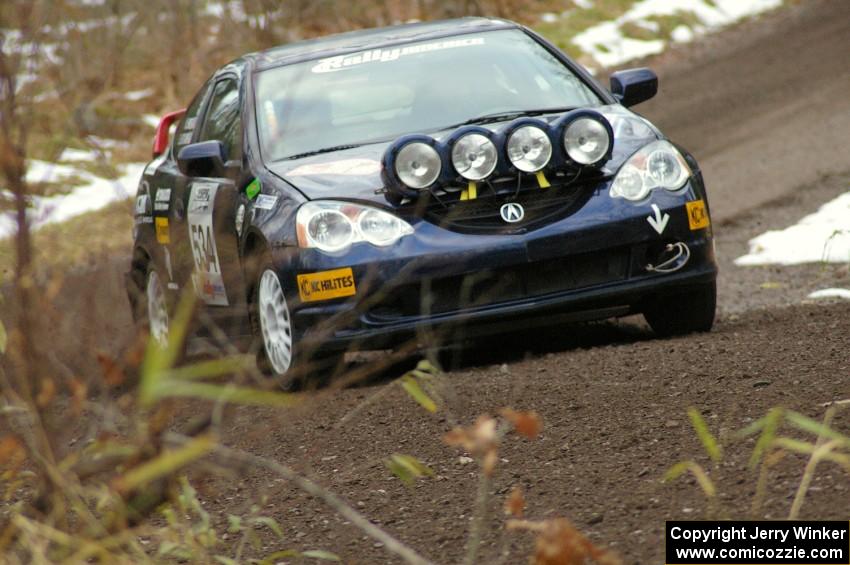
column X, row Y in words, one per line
column 462, row 176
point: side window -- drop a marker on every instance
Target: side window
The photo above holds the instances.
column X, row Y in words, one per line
column 183, row 136
column 222, row 120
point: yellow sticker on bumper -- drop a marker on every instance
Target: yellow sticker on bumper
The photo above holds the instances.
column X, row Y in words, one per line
column 325, row 285
column 697, row 215
column 163, row 236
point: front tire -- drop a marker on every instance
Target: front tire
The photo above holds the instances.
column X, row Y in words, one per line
column 684, row 312
column 279, row 355
column 276, row 353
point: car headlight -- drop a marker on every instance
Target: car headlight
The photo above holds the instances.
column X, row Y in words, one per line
column 657, row 165
column 418, row 165
column 334, row 226
column 474, row 156
column 586, row 140
column 529, row 148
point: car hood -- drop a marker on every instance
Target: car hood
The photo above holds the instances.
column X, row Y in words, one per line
column 352, row 174
column 355, row 174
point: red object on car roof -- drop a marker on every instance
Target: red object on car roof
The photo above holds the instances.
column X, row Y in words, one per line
column 160, row 139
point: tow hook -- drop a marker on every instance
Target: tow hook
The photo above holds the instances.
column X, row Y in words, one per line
column 671, row 259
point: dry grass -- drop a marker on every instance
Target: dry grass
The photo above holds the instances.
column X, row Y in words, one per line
column 76, row 242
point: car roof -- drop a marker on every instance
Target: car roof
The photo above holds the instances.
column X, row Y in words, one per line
column 343, row 43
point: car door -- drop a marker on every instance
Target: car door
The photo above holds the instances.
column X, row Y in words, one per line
column 166, row 186
column 210, row 203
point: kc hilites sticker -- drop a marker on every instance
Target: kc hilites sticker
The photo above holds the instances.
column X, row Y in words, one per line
column 326, row 285
column 207, row 277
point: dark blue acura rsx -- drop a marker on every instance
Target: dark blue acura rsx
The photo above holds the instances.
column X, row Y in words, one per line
column 461, row 176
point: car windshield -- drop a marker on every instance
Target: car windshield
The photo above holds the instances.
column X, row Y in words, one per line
column 425, row 86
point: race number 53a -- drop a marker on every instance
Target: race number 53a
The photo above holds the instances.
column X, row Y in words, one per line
column 203, row 249
column 207, row 278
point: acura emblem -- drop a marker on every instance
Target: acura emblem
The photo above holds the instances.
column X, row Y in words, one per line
column 512, row 212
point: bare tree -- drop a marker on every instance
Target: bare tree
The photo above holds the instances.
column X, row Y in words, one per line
column 20, row 55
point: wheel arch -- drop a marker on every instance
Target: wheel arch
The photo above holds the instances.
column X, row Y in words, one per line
column 254, row 247
column 257, row 249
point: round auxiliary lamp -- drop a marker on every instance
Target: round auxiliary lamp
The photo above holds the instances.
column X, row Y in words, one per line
column 585, row 138
column 528, row 145
column 412, row 164
column 473, row 152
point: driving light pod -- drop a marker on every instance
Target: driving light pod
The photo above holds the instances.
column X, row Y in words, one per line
column 418, row 165
column 334, row 226
column 474, row 156
column 587, row 140
column 529, row 148
column 656, row 165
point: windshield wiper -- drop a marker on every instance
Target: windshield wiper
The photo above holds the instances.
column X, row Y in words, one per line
column 485, row 119
column 505, row 116
column 324, row 150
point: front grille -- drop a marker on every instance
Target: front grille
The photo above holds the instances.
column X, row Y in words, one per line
column 482, row 215
column 530, row 280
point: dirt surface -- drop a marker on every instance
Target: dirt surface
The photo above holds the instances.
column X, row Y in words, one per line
column 764, row 107
column 614, row 404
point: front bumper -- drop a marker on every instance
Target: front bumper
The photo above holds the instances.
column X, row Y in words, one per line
column 589, row 265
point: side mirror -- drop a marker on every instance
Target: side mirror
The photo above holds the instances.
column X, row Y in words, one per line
column 634, row 86
column 203, row 159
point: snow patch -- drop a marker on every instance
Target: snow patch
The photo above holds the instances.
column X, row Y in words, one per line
column 820, row 237
column 136, row 95
column 606, row 43
column 86, row 26
column 70, row 154
column 831, row 293
column 95, row 194
column 716, row 13
column 151, row 119
column 682, row 34
column 649, row 24
column 236, row 10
